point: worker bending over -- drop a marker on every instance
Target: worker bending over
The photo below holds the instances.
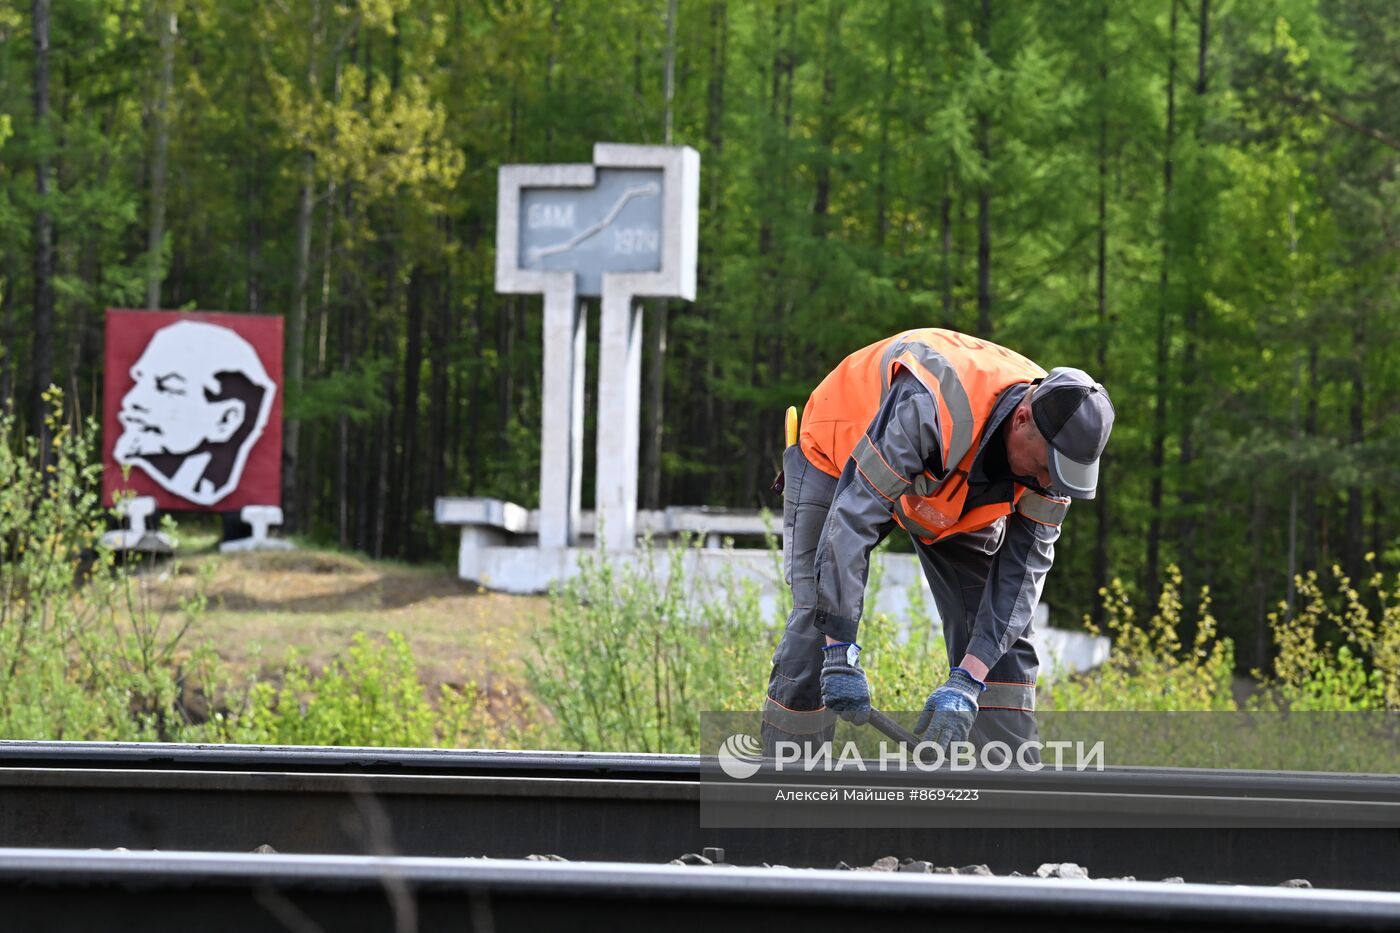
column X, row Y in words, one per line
column 975, row 451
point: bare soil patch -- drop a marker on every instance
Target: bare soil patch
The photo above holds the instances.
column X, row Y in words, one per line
column 264, row 606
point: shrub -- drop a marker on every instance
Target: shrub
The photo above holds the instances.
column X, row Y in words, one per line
column 1148, row 667
column 375, row 696
column 1362, row 673
column 82, row 653
column 631, row 654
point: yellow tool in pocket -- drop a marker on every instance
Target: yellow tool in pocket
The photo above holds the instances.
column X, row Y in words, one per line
column 789, row 435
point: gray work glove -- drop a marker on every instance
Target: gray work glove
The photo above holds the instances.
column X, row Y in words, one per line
column 844, row 689
column 950, row 710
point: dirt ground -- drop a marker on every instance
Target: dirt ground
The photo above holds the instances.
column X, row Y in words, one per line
column 261, row 606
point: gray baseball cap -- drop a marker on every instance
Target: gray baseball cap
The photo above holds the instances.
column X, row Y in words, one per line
column 1075, row 415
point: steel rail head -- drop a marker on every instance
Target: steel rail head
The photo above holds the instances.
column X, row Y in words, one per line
column 163, row 882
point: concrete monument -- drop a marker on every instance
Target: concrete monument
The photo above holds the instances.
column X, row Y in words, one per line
column 624, row 227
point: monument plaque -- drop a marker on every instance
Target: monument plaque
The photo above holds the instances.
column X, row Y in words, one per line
column 614, row 226
column 624, row 227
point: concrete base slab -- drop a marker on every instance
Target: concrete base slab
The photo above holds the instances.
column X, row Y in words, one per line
column 146, row 542
column 255, row 544
column 516, row 569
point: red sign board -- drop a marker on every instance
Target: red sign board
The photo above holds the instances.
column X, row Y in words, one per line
column 192, row 409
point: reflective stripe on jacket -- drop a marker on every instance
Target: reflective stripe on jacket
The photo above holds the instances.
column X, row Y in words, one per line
column 964, row 375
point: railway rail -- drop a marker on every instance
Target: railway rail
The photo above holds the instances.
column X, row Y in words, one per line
column 1343, row 831
column 152, row 892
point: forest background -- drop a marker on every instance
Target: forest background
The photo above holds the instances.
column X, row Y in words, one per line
column 1196, row 200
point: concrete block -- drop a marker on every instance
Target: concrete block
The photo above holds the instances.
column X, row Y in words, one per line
column 493, row 513
column 260, row 518
column 137, row 511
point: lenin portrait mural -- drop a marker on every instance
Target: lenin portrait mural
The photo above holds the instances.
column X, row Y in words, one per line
column 193, row 408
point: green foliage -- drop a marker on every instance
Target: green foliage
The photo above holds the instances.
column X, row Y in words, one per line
column 356, row 393
column 1362, row 673
column 371, row 697
column 85, row 655
column 1148, row 667
column 631, row 655
column 82, row 653
column 626, row 663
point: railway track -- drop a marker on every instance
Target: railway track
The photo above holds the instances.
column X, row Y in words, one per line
column 1339, row 831
column 46, row 889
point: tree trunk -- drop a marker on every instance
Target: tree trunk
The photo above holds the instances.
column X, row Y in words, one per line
column 366, row 459
column 1189, row 382
column 656, row 400
column 475, row 399
column 1294, row 480
column 769, row 256
column 296, row 314
column 252, row 209
column 342, row 464
column 436, row 460
column 505, row 363
column 1159, row 411
column 1258, row 528
column 821, row 202
column 1354, row 546
column 166, row 28
column 7, row 341
column 408, row 442
column 1291, row 586
column 656, row 333
column 389, row 334
column 1312, row 559
column 984, row 193
column 383, row 465
column 702, row 359
column 315, row 440
column 323, row 303
column 85, row 344
column 1101, row 512
column 41, row 359
column 945, row 239
column 887, row 101
column 296, row 340
column 670, row 69
column 1379, row 529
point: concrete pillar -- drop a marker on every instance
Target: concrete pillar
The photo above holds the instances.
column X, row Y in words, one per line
column 561, row 440
column 619, row 416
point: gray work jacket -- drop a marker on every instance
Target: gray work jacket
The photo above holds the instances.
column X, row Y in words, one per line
column 905, row 432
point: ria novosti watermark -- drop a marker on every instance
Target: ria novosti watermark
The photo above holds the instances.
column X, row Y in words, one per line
column 740, row 757
column 1117, row 769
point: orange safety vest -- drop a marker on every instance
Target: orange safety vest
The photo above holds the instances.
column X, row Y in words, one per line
column 965, row 375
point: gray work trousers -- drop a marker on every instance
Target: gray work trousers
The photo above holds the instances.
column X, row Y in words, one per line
column 956, row 570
